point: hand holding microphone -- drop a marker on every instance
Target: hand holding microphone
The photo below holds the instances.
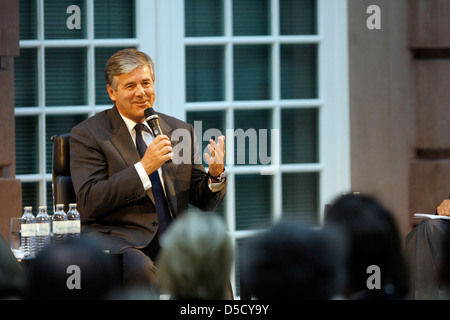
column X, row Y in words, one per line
column 160, row 150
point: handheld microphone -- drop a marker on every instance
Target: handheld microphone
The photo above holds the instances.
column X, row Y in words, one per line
column 153, row 121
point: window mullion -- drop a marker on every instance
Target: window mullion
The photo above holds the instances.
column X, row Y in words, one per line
column 42, row 157
column 228, row 20
column 90, row 56
column 41, row 54
column 90, row 23
column 277, row 192
column 40, row 19
column 41, row 103
column 146, row 28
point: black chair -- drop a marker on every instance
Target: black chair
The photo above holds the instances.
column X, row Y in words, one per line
column 63, row 191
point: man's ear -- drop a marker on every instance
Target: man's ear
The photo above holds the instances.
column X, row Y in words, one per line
column 111, row 92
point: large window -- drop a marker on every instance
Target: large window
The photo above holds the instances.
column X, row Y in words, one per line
column 258, row 71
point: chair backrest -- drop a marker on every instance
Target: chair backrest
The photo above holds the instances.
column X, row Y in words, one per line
column 63, row 191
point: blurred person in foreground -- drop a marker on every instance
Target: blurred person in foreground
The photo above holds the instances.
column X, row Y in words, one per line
column 443, row 265
column 74, row 269
column 131, row 182
column 196, row 258
column 12, row 275
column 374, row 240
column 294, row 261
column 424, row 250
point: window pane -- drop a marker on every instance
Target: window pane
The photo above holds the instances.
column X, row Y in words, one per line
column 253, row 201
column 25, row 78
column 65, row 77
column 203, row 18
column 101, row 57
column 30, row 195
column 114, row 19
column 298, row 17
column 252, row 72
column 27, row 145
column 251, row 17
column 56, row 19
column 58, row 125
column 239, row 257
column 252, row 137
column 299, row 135
column 27, row 12
column 301, row 196
column 49, row 198
column 299, row 71
column 205, row 75
column 207, row 125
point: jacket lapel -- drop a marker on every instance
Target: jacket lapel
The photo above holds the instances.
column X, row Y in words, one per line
column 169, row 171
column 123, row 142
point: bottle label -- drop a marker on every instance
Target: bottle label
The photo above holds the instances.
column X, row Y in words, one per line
column 59, row 227
column 42, row 229
column 28, row 230
column 73, row 226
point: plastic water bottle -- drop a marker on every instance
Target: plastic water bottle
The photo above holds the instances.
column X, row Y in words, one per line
column 28, row 233
column 73, row 222
column 59, row 224
column 43, row 225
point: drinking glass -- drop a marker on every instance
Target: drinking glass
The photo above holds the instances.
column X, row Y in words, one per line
column 14, row 238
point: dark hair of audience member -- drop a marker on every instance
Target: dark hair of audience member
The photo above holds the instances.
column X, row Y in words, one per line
column 374, row 239
column 12, row 275
column 50, row 273
column 294, row 261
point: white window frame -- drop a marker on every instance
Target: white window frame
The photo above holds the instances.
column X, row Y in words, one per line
column 168, row 51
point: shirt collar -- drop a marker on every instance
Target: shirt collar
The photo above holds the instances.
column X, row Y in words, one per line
column 130, row 123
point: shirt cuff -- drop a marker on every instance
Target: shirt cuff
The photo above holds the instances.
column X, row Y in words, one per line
column 145, row 179
column 215, row 186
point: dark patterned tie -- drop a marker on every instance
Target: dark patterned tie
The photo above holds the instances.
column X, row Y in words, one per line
column 162, row 208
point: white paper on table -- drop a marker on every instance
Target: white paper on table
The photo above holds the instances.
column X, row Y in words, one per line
column 430, row 216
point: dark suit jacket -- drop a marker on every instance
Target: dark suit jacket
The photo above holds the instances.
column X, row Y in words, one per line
column 111, row 199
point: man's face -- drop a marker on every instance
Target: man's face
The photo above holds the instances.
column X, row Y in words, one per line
column 134, row 93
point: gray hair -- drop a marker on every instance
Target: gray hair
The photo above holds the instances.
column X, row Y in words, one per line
column 196, row 258
column 125, row 61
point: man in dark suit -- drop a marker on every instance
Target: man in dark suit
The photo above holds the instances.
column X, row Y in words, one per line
column 424, row 249
column 116, row 194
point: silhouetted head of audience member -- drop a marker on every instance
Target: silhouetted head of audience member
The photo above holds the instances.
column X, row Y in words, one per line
column 294, row 261
column 196, row 258
column 75, row 269
column 12, row 276
column 375, row 252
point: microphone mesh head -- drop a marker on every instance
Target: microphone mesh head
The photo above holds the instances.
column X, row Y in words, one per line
column 150, row 112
